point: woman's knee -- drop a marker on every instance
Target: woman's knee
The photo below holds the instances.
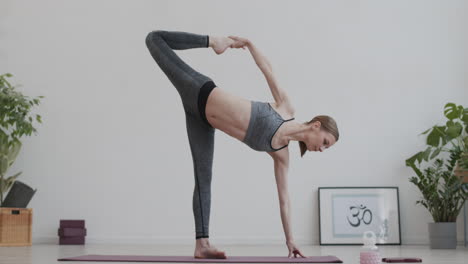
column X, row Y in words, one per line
column 153, row 36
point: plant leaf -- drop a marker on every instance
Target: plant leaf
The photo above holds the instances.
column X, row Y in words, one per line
column 15, row 176
column 451, row 111
column 3, row 164
column 454, row 130
column 412, row 159
column 464, row 118
column 425, row 132
column 436, row 152
column 426, row 154
column 433, row 139
column 13, row 152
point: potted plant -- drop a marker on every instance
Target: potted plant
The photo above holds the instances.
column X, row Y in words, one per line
column 440, row 174
column 16, row 121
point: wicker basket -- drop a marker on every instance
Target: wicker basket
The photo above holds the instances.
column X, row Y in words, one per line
column 15, row 226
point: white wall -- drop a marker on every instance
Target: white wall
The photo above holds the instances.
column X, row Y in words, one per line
column 113, row 149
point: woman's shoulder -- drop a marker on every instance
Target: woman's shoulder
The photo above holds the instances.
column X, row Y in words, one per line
column 286, row 111
column 281, row 155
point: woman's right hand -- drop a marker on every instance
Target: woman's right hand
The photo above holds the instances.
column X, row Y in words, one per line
column 293, row 249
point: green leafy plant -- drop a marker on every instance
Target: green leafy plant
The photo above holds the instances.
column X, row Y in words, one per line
column 16, row 121
column 444, row 193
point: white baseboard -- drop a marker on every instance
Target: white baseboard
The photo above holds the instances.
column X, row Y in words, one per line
column 172, row 240
column 219, row 240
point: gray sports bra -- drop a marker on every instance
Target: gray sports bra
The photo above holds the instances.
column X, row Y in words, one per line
column 263, row 124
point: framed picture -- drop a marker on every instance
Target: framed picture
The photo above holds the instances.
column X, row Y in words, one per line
column 345, row 213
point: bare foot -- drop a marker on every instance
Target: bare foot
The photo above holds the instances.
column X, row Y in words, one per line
column 209, row 253
column 220, row 44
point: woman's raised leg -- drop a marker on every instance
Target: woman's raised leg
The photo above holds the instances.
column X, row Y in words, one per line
column 186, row 80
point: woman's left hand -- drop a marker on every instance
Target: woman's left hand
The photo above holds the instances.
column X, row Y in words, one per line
column 239, row 42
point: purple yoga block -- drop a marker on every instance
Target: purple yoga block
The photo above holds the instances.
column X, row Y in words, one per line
column 72, row 223
column 79, row 240
column 71, row 231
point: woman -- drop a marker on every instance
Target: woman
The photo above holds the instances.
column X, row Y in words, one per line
column 266, row 127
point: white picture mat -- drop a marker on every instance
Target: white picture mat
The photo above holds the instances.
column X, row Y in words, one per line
column 336, row 216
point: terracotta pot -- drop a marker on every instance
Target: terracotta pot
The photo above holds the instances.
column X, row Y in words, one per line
column 459, row 172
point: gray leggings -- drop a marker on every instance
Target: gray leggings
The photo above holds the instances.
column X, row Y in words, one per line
column 189, row 83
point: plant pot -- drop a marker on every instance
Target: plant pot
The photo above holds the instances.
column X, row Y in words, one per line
column 443, row 235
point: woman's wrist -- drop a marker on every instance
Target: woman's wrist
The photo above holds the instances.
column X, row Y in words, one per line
column 249, row 43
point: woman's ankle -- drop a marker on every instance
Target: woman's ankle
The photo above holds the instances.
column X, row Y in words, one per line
column 202, row 242
column 211, row 41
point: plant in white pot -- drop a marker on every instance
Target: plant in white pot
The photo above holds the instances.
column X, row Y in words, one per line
column 438, row 174
column 16, row 121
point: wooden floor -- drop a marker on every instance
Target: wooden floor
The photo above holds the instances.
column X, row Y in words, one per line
column 46, row 254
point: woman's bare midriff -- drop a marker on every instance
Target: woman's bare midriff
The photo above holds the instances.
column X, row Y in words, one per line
column 231, row 114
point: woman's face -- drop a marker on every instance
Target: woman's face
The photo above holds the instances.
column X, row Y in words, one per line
column 318, row 139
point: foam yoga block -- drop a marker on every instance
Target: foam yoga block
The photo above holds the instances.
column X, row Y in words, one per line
column 234, row 259
column 72, row 232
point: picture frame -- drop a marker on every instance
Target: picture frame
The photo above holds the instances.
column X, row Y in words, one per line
column 345, row 213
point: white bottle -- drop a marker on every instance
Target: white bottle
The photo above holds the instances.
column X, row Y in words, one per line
column 369, row 252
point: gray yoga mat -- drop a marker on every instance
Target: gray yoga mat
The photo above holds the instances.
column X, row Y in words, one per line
column 234, row 259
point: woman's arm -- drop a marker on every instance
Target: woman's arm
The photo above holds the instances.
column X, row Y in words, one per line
column 281, row 167
column 262, row 62
column 265, row 66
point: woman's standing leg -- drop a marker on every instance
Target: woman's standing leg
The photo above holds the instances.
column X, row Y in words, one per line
column 201, row 139
column 201, row 135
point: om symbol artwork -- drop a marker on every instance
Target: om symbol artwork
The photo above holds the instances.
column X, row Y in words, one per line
column 360, row 213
